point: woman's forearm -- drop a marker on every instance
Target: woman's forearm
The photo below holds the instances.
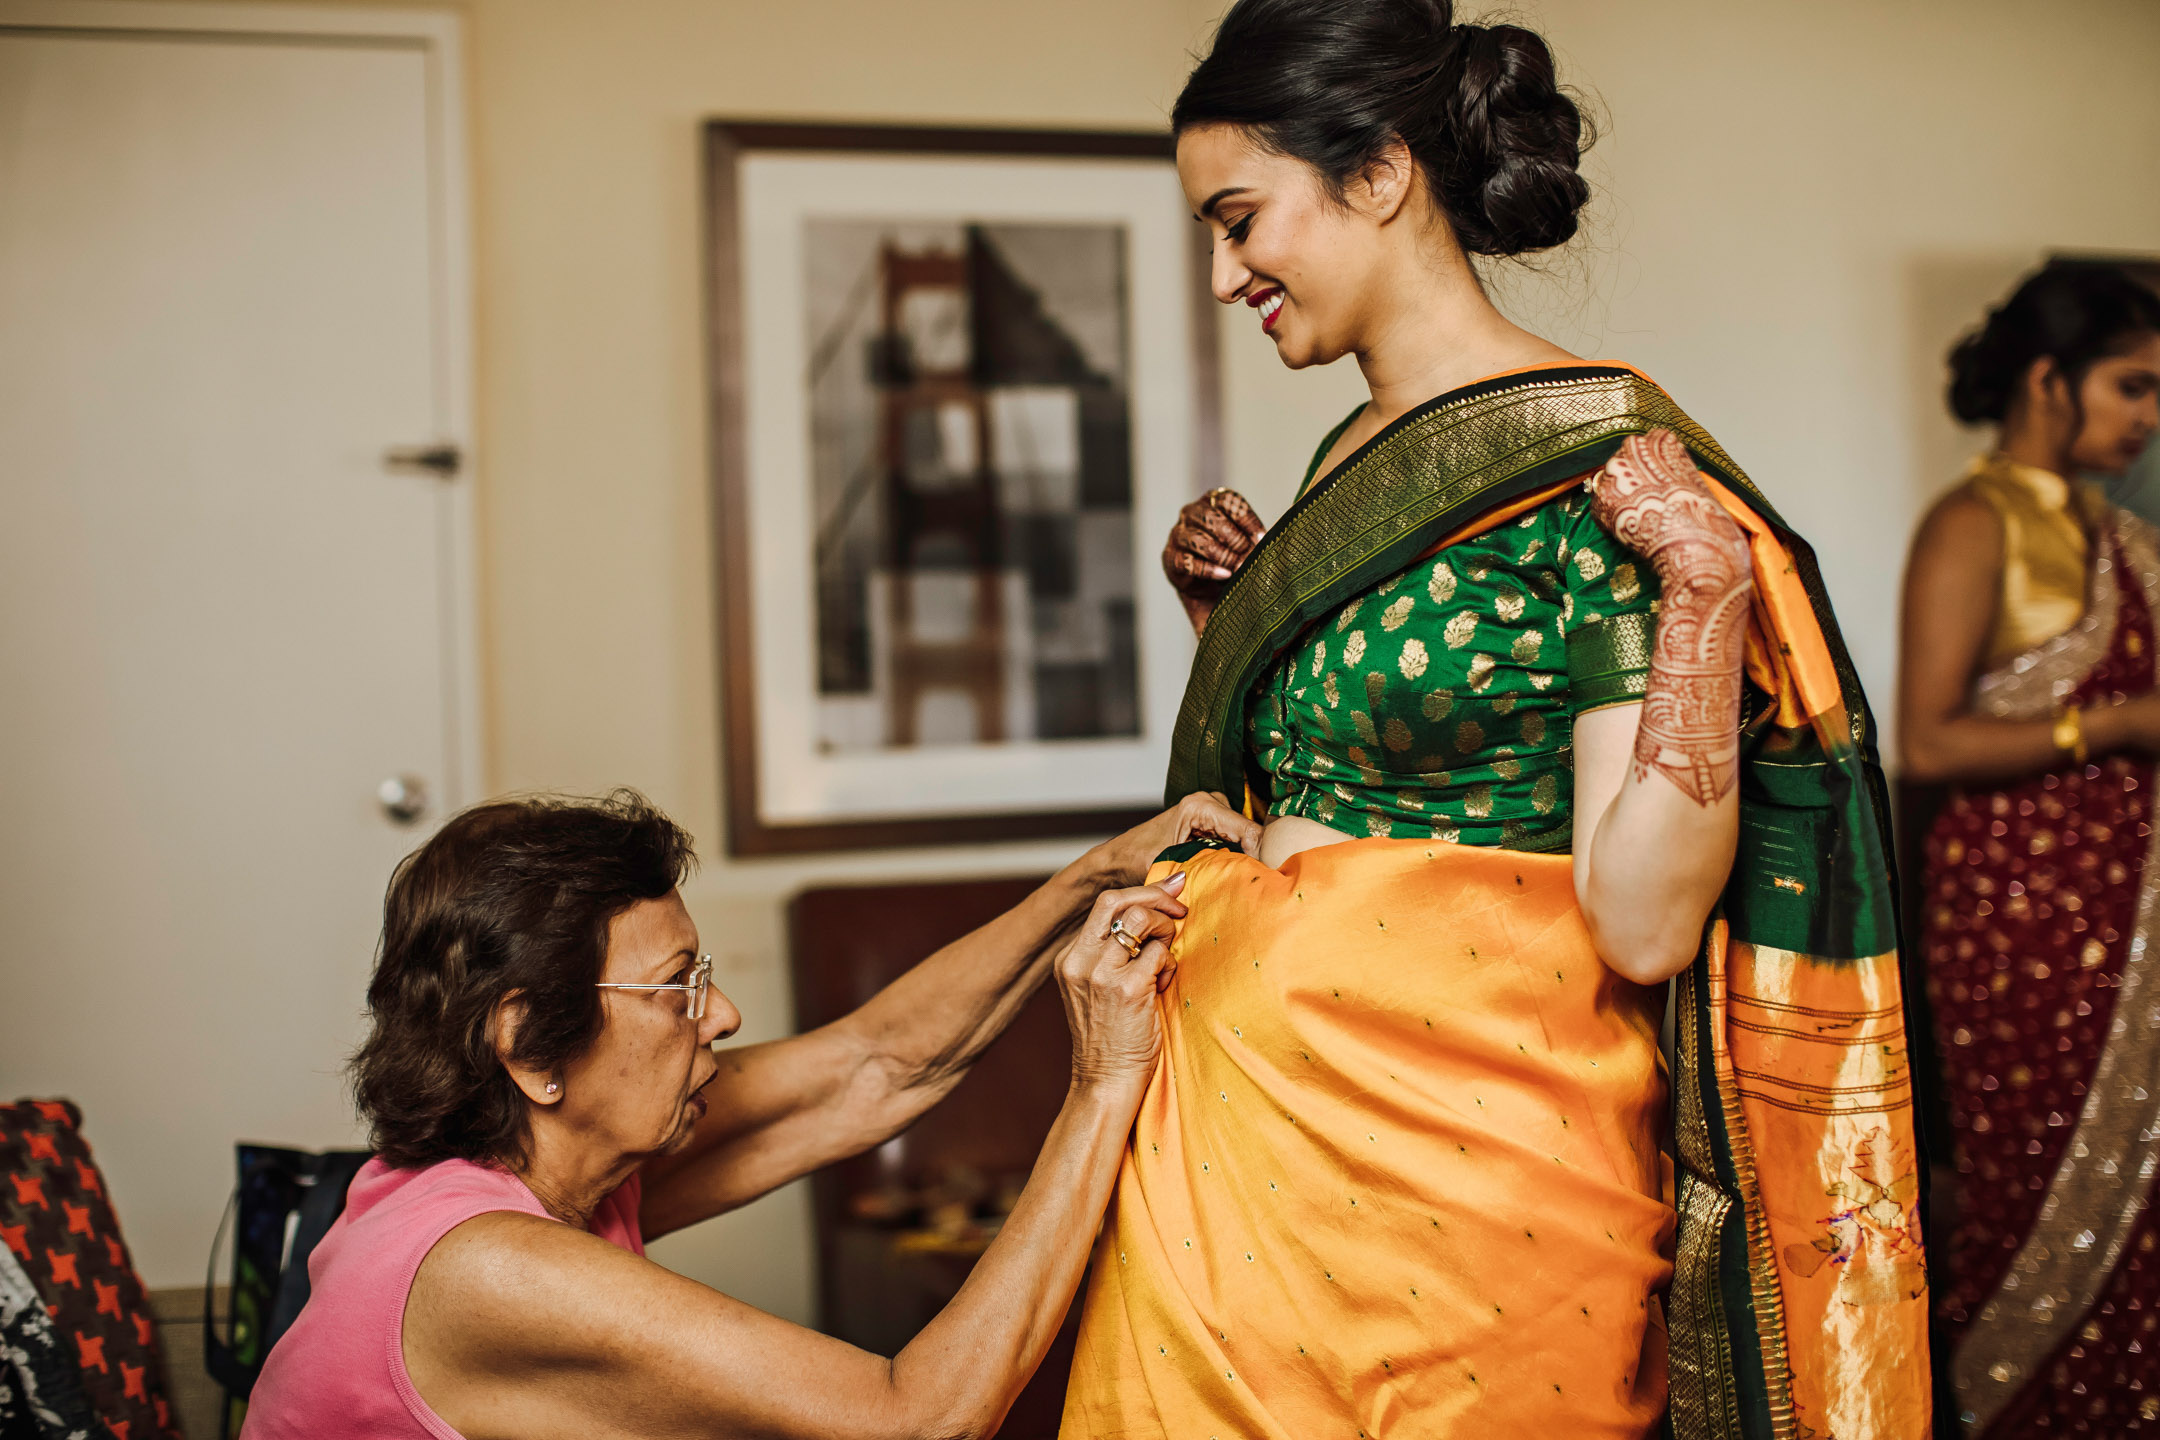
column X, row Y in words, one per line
column 1660, row 853
column 784, row 1108
column 1655, row 865
column 926, row 1028
column 918, row 1035
column 1968, row 747
column 1661, row 848
column 963, row 1371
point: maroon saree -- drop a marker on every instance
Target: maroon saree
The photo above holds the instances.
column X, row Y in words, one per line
column 2037, row 932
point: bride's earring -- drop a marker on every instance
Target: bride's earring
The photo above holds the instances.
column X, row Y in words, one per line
column 552, row 1087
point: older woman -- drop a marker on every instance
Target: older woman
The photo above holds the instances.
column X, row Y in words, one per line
column 544, row 1096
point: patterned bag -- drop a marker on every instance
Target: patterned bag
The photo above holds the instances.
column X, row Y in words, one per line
column 58, row 1224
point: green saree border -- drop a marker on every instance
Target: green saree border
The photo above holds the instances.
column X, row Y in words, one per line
column 1712, row 1397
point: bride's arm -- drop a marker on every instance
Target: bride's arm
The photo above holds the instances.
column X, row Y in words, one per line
column 1657, row 807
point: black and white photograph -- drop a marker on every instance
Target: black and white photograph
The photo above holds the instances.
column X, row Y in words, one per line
column 972, row 452
column 962, row 377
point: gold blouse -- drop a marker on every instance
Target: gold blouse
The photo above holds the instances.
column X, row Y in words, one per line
column 2045, row 552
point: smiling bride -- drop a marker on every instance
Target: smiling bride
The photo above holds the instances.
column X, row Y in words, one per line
column 1544, row 707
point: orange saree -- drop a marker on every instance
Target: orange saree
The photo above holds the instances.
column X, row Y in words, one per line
column 1406, row 1118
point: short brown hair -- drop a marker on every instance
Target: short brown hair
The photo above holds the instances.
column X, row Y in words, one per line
column 511, row 896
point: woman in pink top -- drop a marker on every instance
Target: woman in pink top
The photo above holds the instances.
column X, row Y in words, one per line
column 544, row 1094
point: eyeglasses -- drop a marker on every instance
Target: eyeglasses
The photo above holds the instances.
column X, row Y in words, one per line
column 697, row 987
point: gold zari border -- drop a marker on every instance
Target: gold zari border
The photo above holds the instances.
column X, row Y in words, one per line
column 1705, row 1402
column 1769, row 1298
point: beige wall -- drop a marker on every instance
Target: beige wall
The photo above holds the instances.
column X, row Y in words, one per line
column 1798, row 206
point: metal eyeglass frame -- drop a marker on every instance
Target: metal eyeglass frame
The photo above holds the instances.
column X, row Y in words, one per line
column 698, row 986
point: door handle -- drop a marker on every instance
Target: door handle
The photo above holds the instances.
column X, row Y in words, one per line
column 404, row 798
column 442, row 461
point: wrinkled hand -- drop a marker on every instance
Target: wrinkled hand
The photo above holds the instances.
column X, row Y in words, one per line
column 1110, row 992
column 1131, row 853
column 1650, row 496
column 1211, row 538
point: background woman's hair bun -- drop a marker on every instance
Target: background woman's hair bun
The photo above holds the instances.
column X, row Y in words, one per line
column 1982, row 374
column 1334, row 82
column 2070, row 311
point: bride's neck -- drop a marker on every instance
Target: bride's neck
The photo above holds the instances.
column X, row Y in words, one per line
column 1434, row 330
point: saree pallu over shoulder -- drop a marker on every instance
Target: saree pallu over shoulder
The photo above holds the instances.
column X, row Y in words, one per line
column 1798, row 1303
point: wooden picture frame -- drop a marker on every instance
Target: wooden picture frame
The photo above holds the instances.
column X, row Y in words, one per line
column 765, row 814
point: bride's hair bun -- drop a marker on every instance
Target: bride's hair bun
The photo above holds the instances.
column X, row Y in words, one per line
column 1334, row 82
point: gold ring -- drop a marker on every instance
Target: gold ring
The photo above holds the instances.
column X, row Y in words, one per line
column 1118, row 933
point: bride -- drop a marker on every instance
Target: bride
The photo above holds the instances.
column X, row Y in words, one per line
column 1543, row 707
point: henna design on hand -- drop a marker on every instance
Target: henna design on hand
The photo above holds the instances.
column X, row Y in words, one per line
column 1211, row 538
column 1651, row 498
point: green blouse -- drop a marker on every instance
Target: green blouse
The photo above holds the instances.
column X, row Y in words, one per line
column 1442, row 701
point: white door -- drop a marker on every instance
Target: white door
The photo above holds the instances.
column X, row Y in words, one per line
column 224, row 621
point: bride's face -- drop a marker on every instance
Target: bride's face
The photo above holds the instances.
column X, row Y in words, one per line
column 1306, row 263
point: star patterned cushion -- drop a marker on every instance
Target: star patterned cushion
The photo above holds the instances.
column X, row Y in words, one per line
column 58, row 1222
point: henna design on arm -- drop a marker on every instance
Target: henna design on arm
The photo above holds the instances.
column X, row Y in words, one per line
column 1651, row 498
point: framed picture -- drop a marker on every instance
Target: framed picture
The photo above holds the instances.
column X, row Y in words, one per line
column 962, row 380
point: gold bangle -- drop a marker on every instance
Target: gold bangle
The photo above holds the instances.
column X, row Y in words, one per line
column 2069, row 733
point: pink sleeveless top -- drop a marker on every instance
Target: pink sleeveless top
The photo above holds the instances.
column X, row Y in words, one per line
column 339, row 1373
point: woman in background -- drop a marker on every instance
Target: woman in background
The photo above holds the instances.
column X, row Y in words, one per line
column 1399, row 1172
column 2027, row 681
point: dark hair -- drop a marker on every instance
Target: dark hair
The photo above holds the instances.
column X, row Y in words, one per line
column 511, row 896
column 1334, row 82
column 2071, row 311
